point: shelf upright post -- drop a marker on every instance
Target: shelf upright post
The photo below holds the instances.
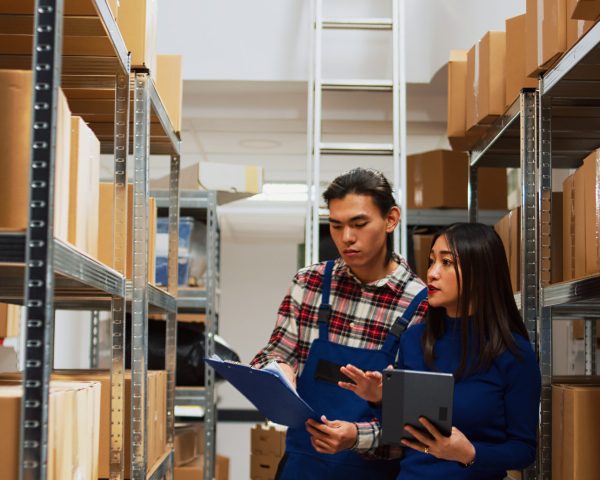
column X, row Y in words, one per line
column 473, row 205
column 544, row 323
column 118, row 304
column 210, row 417
column 171, row 327
column 39, row 250
column 529, row 282
column 94, row 338
column 139, row 302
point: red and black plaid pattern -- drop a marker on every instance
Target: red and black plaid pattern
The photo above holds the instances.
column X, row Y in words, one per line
column 361, row 315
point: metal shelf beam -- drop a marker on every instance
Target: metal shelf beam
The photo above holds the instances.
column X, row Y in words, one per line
column 358, row 24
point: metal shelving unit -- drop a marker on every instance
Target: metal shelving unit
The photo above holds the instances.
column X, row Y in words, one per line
column 44, row 273
column 555, row 126
column 202, row 206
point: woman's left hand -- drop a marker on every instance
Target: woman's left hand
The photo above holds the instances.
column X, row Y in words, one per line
column 456, row 447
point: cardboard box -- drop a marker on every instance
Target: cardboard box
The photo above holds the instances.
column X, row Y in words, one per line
column 152, row 216
column 556, row 253
column 137, row 23
column 263, row 467
column 439, row 179
column 15, row 152
column 267, row 440
column 546, row 34
column 421, row 248
column 189, row 438
column 105, row 226
column 592, row 212
column 194, row 470
column 583, row 9
column 568, row 228
column 576, row 26
column 169, row 84
column 10, row 320
column 485, row 80
column 84, row 188
column 514, row 235
column 579, row 329
column 575, row 426
column 516, row 74
column 229, row 177
column 579, row 260
column 73, row 421
column 154, row 422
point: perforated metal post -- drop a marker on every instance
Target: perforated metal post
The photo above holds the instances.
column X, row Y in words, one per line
column 310, row 145
column 210, row 416
column 94, row 338
column 473, row 193
column 590, row 346
column 39, row 250
column 171, row 327
column 139, row 303
column 118, row 304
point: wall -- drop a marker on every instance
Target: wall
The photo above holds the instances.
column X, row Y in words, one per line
column 254, row 278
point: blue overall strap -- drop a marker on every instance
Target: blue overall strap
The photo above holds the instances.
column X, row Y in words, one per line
column 325, row 307
column 401, row 323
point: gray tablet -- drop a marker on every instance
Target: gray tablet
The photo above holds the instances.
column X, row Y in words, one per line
column 408, row 395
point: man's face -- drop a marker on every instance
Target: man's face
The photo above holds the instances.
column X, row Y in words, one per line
column 359, row 230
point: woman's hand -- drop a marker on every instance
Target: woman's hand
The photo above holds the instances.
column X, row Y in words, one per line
column 331, row 436
column 456, row 447
column 367, row 385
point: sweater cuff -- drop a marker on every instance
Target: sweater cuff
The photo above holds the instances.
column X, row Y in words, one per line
column 366, row 436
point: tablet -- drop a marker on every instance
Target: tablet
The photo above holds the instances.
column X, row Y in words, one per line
column 408, row 395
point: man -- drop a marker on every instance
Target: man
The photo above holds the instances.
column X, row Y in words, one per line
column 353, row 311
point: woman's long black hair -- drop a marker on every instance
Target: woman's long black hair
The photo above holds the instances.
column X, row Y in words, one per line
column 484, row 288
column 365, row 181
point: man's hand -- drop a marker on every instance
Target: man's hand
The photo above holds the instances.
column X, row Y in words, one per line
column 331, row 436
column 289, row 372
column 367, row 385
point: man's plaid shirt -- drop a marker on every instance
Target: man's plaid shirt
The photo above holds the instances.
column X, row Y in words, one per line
column 361, row 316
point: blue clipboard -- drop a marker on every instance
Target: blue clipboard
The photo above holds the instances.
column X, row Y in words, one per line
column 269, row 393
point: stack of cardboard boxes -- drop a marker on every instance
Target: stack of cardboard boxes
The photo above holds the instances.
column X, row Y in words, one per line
column 267, row 445
column 73, row 429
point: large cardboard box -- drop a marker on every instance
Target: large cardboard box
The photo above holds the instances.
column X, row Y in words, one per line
column 575, row 427
column 485, row 80
column 155, row 422
column 137, row 23
column 15, row 150
column 576, row 26
column 439, row 179
column 267, row 440
column 557, row 247
column 583, row 9
column 263, row 467
column 516, row 74
column 84, row 188
column 73, row 429
column 579, row 260
column 592, row 212
column 546, row 34
column 508, row 229
column 568, row 228
column 169, row 84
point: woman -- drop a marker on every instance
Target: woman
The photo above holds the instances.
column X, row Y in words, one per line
column 473, row 330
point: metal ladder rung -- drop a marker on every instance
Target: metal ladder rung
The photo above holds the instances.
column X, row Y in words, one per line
column 356, row 148
column 358, row 24
column 358, row 85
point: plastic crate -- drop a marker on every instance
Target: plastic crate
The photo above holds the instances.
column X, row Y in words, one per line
column 162, row 270
column 186, row 224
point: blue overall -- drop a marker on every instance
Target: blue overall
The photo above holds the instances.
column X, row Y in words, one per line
column 301, row 461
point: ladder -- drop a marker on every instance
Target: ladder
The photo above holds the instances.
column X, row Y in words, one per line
column 396, row 86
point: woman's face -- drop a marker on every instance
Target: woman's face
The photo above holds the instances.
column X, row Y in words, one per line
column 442, row 281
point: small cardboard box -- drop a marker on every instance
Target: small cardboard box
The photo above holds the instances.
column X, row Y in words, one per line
column 169, row 84
column 421, row 248
column 84, row 188
column 516, row 75
column 263, row 467
column 194, row 470
column 592, row 219
column 546, row 34
column 10, row 320
column 583, row 9
column 188, row 442
column 137, row 22
column 267, row 441
column 568, row 224
column 485, row 80
column 575, row 427
column 579, row 221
